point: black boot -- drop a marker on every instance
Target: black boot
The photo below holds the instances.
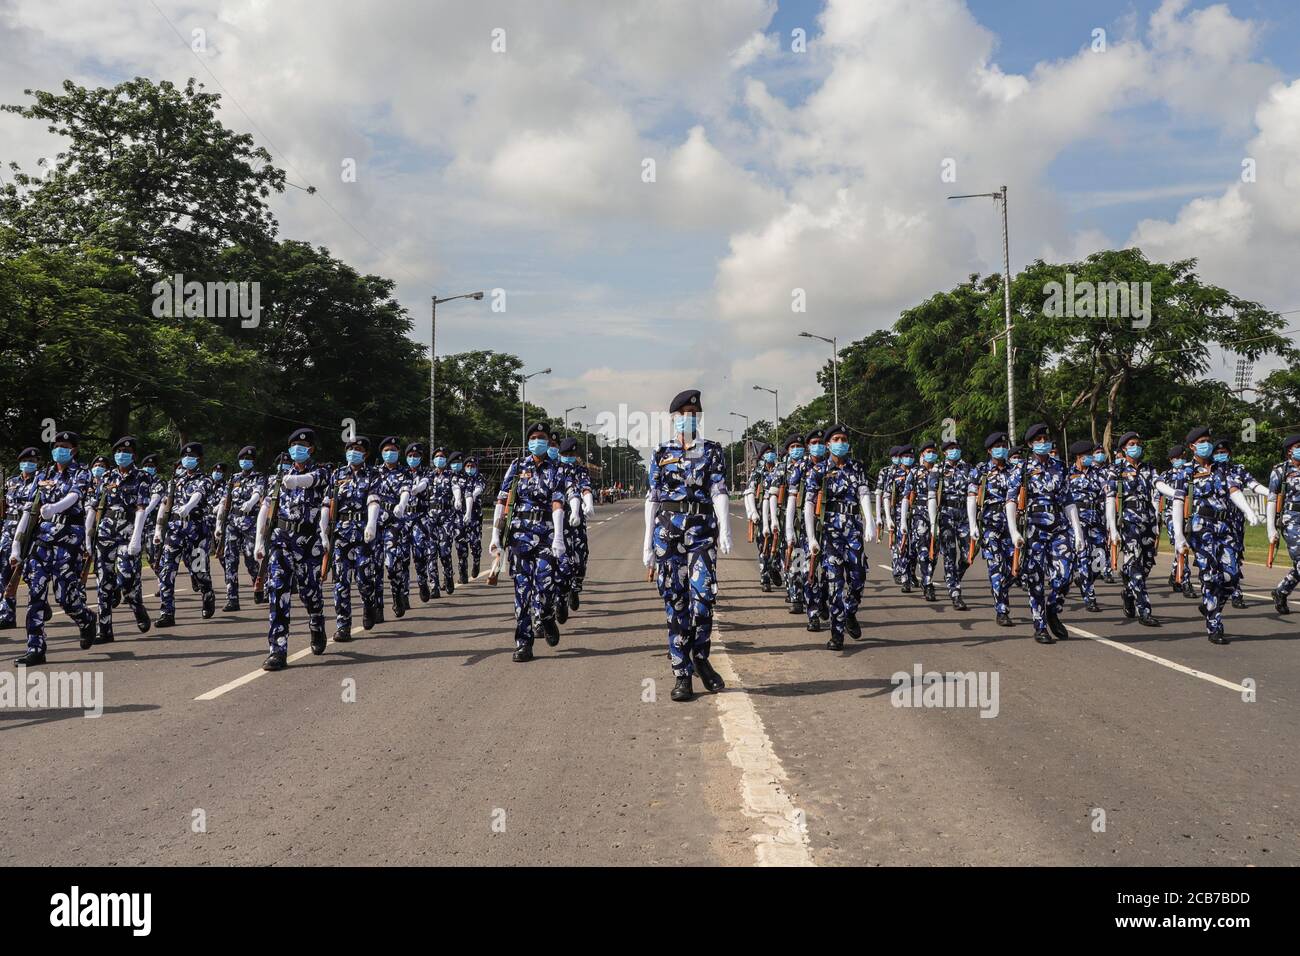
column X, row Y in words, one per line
column 1109, row 577
column 142, row 622
column 1279, row 602
column 836, row 642
column 165, row 619
column 318, row 640
column 464, row 577
column 552, row 631
column 710, row 678
column 1148, row 619
column 574, row 601
column 475, row 572
column 1239, row 602
column 683, row 690
column 105, row 635
column 259, row 597
column 1219, row 638
column 8, row 625
column 767, row 587
column 523, row 653
column 379, row 613
column 1004, row 620
column 796, row 607
column 1130, row 606
column 907, row 587
column 399, row 604
column 451, row 585
column 815, row 625
column 342, row 633
column 1188, row 590
column 562, row 609
column 209, row 603
column 853, row 627
column 929, row 593
column 824, row 612
column 424, row 591
column 232, row 604
column 1173, row 583
column 367, row 616
column 1042, row 637
column 958, row 603
column 87, row 634
column 31, row 659
column 275, row 661
column 1056, row 627
column 1090, row 604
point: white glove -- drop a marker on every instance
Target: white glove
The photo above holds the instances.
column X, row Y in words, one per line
column 647, row 546
column 1017, row 540
column 47, row 512
column 588, row 505
column 868, row 519
column 259, row 550
column 721, row 510
column 157, row 536
column 750, row 511
column 469, row 512
column 400, row 511
column 248, row 506
column 1270, row 520
column 1239, row 499
column 557, row 535
column 494, row 548
column 972, row 519
column 1076, row 525
column 137, row 533
column 575, row 512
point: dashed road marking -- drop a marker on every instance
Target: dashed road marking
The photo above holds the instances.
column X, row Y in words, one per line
column 1164, row 662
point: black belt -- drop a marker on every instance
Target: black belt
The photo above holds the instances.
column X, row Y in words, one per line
column 685, row 507
column 114, row 513
column 352, row 514
column 1041, row 510
column 1214, row 514
column 293, row 527
column 840, row 508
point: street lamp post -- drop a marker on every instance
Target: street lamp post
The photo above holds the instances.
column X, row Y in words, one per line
column 731, row 447
column 835, row 366
column 433, row 355
column 1001, row 197
column 523, row 407
column 776, row 422
column 746, row 440
column 572, row 408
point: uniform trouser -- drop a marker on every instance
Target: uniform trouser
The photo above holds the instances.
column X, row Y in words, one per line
column 533, row 566
column 844, row 562
column 240, row 540
column 1290, row 534
column 8, row 607
column 152, row 551
column 579, row 548
column 58, row 562
column 1239, row 535
column 395, row 541
column 117, row 574
column 1218, row 563
column 998, row 551
column 473, row 539
column 897, row 554
column 354, row 561
column 686, row 555
column 183, row 541
column 1088, row 562
column 952, row 542
column 294, row 560
column 1138, row 546
column 768, row 558
column 918, row 543
column 1046, row 563
column 1169, row 536
column 796, row 572
column 440, row 531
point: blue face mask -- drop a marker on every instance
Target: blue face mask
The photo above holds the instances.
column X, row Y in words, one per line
column 412, row 461
column 439, row 461
column 1295, row 453
column 999, row 453
column 1178, row 463
column 390, row 456
column 123, row 458
column 471, row 470
column 98, row 471
column 150, row 470
column 537, row 446
column 1203, row 449
column 1042, row 447
column 569, row 459
column 299, row 452
column 553, row 452
column 189, row 462
column 686, row 424
column 286, row 466
column 246, row 464
column 1134, row 452
column 817, row 450
column 217, row 476
column 61, row 455
column 796, row 453
column 839, row 448
column 770, row 457
column 952, row 454
column 27, row 467
column 457, row 467
column 354, row 456
column 893, row 460
column 907, row 460
column 1221, row 457
column 1099, row 458
column 930, row 457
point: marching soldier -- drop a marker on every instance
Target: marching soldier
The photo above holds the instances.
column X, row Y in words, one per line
column 920, row 514
column 56, row 504
column 1041, row 489
column 288, row 539
column 1284, row 507
column 882, row 483
column 441, row 517
column 420, row 535
column 1223, row 456
column 815, row 601
column 1178, row 464
column 1088, row 486
column 17, row 489
column 474, row 487
column 902, row 561
column 349, row 527
column 1131, row 491
column 530, row 509
column 837, row 495
column 399, row 524
column 774, row 503
column 236, row 533
column 952, row 480
column 157, row 486
column 789, row 504
column 755, row 499
column 686, row 523
column 183, row 534
column 460, row 520
column 575, row 529
column 115, row 532
column 986, row 514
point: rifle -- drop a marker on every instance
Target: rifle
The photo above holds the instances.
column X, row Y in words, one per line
column 224, row 511
column 938, row 500
column 1022, row 500
column 1119, row 510
column 94, row 529
column 817, row 531
column 500, row 525
column 329, row 546
column 974, row 532
column 272, row 510
column 32, row 511
column 165, row 506
column 1272, row 548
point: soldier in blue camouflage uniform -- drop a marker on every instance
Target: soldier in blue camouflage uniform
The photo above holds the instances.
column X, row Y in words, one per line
column 574, row 564
column 17, row 489
column 1088, row 486
column 1205, row 496
column 1284, row 508
column 118, row 538
column 185, row 537
column 760, row 517
column 56, row 550
column 774, row 497
column 399, row 522
column 456, row 462
column 292, row 546
column 157, row 485
column 236, row 532
column 839, row 497
column 1223, row 456
column 1178, row 468
column 814, row 595
column 349, row 527
column 902, row 560
column 790, row 510
column 530, row 509
column 986, row 515
column 920, row 514
column 473, row 536
column 421, row 543
column 1131, row 490
column 441, row 517
column 952, row 480
column 686, row 523
column 1053, row 533
column 883, row 521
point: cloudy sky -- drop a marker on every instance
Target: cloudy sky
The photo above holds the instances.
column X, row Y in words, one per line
column 777, row 166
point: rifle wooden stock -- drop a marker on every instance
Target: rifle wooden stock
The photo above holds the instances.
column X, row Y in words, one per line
column 1272, row 548
column 1272, row 552
column 970, row 551
column 499, row 525
column 329, row 546
column 1178, row 572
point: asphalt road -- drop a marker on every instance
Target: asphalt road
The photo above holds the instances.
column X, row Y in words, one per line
column 423, row 743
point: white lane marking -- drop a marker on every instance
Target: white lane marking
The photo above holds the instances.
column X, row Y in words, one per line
column 247, row 678
column 762, row 796
column 1172, row 665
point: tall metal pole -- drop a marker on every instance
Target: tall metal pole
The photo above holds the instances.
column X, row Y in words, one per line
column 433, row 368
column 523, row 413
column 835, row 373
column 1006, row 306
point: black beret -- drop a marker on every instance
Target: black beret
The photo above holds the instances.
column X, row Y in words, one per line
column 29, row 452
column 839, row 428
column 414, row 448
column 361, row 440
column 568, row 446
column 689, row 397
column 219, row 466
column 70, row 438
column 283, row 458
column 904, row 450
column 951, row 444
column 925, row 443
column 390, row 440
column 1078, row 448
column 99, row 458
column 994, row 438
column 764, row 448
column 439, row 448
column 193, row 448
column 1290, row 440
column 1177, row 451
column 471, row 460
column 816, row 434
column 304, row 436
column 1034, row 431
column 1196, row 434
column 893, row 451
column 1223, row 443
column 248, row 451
column 1125, row 438
column 538, row 428
column 125, row 443
column 454, row 456
column 793, row 440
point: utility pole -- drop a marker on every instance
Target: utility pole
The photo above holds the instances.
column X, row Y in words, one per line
column 433, row 357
